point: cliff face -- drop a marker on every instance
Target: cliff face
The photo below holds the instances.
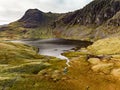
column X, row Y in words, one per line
column 115, row 20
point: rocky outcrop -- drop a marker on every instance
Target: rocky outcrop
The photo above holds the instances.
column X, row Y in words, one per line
column 95, row 21
column 34, row 18
column 97, row 12
column 115, row 20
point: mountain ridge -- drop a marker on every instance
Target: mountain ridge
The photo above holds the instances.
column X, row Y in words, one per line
column 98, row 19
column 95, row 12
column 95, row 18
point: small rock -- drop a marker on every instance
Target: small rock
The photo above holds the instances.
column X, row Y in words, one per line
column 94, row 60
column 64, row 78
column 55, row 49
column 104, row 60
column 56, row 75
column 116, row 72
column 43, row 72
column 36, row 85
column 105, row 68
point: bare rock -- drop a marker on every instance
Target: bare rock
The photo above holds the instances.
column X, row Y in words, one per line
column 94, row 61
column 105, row 68
column 116, row 72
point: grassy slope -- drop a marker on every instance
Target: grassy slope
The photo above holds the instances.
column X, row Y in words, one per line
column 106, row 46
column 97, row 67
column 88, row 32
column 17, row 31
column 20, row 65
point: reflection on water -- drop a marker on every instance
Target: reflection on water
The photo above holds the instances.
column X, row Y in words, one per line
column 54, row 47
column 54, row 50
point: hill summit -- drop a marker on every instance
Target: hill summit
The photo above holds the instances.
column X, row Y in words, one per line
column 35, row 18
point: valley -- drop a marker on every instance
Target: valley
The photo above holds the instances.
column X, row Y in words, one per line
column 78, row 50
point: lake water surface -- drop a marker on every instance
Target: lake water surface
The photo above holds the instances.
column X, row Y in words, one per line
column 54, row 47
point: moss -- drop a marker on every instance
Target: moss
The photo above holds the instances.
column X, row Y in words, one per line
column 15, row 53
column 30, row 68
column 94, row 61
column 74, row 54
column 105, row 46
column 20, row 65
column 105, row 68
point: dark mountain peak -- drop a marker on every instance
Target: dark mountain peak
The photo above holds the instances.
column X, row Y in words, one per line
column 32, row 15
column 33, row 11
column 34, row 18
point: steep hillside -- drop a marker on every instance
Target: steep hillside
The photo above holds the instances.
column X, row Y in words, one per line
column 97, row 12
column 96, row 20
column 20, row 65
column 115, row 20
column 110, row 29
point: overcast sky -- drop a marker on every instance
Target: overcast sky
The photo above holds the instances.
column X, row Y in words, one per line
column 11, row 10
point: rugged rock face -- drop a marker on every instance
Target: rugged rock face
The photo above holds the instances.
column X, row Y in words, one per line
column 97, row 12
column 115, row 20
column 32, row 18
column 99, row 19
column 33, row 15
